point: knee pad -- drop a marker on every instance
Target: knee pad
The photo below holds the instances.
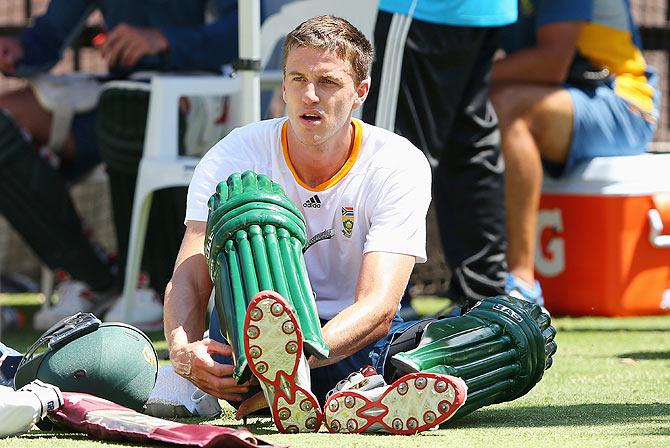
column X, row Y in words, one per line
column 254, row 241
column 121, row 124
column 64, row 96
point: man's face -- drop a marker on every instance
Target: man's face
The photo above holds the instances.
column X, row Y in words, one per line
column 320, row 94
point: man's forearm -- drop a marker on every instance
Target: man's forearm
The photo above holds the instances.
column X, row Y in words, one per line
column 529, row 65
column 184, row 317
column 185, row 308
column 354, row 328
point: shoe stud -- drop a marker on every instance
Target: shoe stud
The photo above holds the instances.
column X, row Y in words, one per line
column 291, row 347
column 284, row 413
column 253, row 332
column 440, row 386
column 288, row 327
column 276, row 309
column 402, row 388
column 306, row 405
column 262, row 367
column 255, row 351
column 397, row 424
column 335, row 425
column 255, row 313
column 429, row 417
column 412, row 423
column 352, row 425
column 420, row 382
column 349, row 401
column 334, row 406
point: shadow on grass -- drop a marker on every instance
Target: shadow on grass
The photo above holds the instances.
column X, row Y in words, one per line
column 259, row 426
column 569, row 415
column 45, row 435
column 646, row 356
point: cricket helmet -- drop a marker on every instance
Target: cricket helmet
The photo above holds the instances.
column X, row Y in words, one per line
column 111, row 360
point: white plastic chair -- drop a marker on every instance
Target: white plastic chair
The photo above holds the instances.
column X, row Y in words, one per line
column 161, row 166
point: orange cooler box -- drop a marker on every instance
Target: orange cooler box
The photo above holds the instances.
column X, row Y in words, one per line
column 604, row 238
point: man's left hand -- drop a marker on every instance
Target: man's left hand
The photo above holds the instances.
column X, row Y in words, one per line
column 126, row 44
column 252, row 404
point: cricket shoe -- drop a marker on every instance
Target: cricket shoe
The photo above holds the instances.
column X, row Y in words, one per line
column 274, row 351
column 73, row 297
column 176, row 397
column 414, row 403
column 145, row 314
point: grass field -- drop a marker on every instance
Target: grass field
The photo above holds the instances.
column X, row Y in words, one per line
column 609, row 387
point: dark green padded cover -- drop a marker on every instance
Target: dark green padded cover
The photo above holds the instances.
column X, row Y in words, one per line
column 501, row 349
column 120, row 129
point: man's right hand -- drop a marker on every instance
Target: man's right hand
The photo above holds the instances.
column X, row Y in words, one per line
column 11, row 52
column 194, row 362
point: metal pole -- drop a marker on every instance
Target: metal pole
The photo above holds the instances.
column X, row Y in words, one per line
column 28, row 9
column 249, row 22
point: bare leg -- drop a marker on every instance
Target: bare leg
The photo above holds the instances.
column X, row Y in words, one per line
column 523, row 182
column 29, row 114
column 34, row 197
column 535, row 123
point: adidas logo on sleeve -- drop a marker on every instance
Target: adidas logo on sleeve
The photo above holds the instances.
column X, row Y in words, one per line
column 313, row 202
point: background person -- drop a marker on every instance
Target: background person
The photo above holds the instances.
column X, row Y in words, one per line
column 573, row 86
column 34, row 196
column 432, row 68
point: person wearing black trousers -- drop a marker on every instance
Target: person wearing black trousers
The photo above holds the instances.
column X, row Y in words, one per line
column 433, row 64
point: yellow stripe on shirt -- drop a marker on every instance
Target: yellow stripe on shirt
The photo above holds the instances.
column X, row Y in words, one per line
column 348, row 164
column 608, row 47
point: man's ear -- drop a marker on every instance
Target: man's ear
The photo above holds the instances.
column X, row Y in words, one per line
column 283, row 89
column 362, row 93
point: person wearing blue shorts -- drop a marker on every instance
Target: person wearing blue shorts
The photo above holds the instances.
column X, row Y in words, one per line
column 573, row 85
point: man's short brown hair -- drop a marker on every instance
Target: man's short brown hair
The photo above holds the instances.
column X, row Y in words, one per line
column 335, row 34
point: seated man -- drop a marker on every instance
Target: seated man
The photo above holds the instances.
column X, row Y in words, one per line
column 369, row 189
column 573, row 86
column 36, row 169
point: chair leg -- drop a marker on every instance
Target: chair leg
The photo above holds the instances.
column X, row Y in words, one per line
column 47, row 284
column 138, row 231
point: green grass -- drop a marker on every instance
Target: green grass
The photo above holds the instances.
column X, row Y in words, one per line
column 609, row 387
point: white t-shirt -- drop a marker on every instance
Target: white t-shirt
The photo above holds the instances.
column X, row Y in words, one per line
column 377, row 202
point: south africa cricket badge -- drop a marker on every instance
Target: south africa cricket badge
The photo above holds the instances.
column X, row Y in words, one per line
column 347, row 221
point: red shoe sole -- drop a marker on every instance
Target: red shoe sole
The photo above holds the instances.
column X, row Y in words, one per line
column 414, row 403
column 273, row 347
